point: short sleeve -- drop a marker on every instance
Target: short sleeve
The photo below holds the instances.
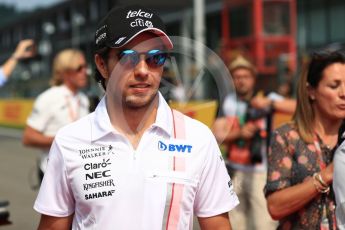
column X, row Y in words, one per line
column 40, row 115
column 55, row 196
column 339, row 185
column 215, row 193
column 279, row 163
column 230, row 105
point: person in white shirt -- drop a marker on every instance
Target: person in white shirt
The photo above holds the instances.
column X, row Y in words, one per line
column 24, row 49
column 339, row 185
column 338, row 174
column 134, row 163
column 59, row 105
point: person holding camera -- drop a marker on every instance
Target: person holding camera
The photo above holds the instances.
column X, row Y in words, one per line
column 23, row 50
column 244, row 133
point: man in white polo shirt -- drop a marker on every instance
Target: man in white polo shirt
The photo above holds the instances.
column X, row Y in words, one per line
column 134, row 163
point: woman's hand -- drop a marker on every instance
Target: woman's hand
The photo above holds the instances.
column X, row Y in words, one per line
column 327, row 173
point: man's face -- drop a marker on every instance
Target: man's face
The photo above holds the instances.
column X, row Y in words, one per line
column 134, row 85
column 244, row 81
column 76, row 77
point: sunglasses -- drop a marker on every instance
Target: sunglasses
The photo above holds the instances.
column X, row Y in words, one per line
column 79, row 68
column 153, row 58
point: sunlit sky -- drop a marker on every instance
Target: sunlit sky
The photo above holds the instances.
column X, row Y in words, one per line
column 30, row 4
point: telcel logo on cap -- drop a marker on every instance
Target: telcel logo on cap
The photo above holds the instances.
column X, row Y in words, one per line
column 139, row 13
column 139, row 22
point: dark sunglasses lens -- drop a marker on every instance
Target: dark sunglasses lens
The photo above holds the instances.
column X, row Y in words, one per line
column 156, row 58
column 81, row 67
column 129, row 57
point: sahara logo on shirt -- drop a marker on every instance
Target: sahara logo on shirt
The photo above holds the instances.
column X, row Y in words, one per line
column 96, row 195
column 174, row 147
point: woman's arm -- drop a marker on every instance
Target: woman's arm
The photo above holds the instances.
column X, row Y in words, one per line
column 285, row 199
column 291, row 199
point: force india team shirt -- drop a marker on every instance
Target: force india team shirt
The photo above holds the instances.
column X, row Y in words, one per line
column 94, row 172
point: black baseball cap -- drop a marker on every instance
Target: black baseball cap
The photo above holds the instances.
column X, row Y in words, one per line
column 122, row 24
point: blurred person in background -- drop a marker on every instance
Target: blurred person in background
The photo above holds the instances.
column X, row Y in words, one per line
column 300, row 160
column 243, row 131
column 24, row 49
column 275, row 103
column 134, row 163
column 59, row 105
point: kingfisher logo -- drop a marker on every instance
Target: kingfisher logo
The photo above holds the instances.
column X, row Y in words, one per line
column 174, row 148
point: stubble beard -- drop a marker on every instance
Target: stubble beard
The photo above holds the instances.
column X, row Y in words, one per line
column 134, row 102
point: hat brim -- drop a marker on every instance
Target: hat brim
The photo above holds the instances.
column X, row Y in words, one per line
column 165, row 38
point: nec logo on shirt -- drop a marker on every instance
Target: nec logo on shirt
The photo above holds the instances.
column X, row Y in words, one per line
column 174, row 148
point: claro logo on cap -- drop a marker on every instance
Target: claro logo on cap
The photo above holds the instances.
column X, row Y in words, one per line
column 139, row 13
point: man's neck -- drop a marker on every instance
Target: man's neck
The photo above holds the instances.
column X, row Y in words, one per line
column 133, row 122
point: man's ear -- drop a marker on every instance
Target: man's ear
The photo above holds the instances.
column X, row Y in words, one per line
column 101, row 66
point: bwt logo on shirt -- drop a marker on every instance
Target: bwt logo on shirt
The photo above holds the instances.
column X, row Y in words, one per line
column 174, row 148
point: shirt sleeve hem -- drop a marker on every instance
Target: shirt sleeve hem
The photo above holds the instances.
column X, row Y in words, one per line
column 218, row 211
column 44, row 211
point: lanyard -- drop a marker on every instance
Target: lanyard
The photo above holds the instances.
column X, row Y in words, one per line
column 73, row 114
column 324, row 225
column 320, row 160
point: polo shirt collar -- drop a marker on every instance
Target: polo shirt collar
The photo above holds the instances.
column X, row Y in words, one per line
column 68, row 92
column 101, row 125
column 164, row 116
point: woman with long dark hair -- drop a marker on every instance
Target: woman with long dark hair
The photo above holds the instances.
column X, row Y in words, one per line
column 300, row 166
